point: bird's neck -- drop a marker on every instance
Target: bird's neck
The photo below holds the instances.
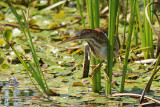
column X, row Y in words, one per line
column 98, row 50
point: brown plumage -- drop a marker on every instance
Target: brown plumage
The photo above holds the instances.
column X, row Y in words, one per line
column 97, row 41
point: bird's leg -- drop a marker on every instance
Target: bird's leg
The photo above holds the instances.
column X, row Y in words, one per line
column 96, row 68
column 86, row 62
column 105, row 74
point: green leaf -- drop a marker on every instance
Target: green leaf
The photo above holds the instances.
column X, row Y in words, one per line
column 5, row 66
column 2, row 42
column 8, row 35
column 1, row 60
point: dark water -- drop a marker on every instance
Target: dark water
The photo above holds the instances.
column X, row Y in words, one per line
column 10, row 96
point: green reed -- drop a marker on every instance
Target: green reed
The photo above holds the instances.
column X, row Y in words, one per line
column 140, row 27
column 135, row 29
column 93, row 19
column 131, row 23
column 147, row 88
column 113, row 9
column 96, row 80
column 81, row 14
column 35, row 74
column 148, row 32
column 125, row 23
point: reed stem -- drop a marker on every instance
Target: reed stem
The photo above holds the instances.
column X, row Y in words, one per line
column 113, row 8
column 131, row 23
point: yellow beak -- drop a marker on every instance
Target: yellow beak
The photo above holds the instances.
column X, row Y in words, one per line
column 69, row 39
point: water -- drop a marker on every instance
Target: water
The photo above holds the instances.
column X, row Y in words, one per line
column 11, row 96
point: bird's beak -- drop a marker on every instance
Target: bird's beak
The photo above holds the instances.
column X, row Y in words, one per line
column 69, row 39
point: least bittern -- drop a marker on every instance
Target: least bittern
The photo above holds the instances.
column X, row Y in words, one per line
column 97, row 41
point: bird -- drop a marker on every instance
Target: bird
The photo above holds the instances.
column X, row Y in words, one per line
column 97, row 41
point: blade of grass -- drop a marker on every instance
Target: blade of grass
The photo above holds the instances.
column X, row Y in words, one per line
column 153, row 29
column 49, row 8
column 117, row 21
column 155, row 70
column 113, row 8
column 80, row 11
column 25, row 65
column 125, row 23
column 37, row 74
column 90, row 14
column 131, row 23
column 135, row 29
column 93, row 19
column 96, row 13
column 97, row 78
column 151, row 33
column 143, row 44
column 36, row 77
column 34, row 55
column 31, row 43
column 146, row 29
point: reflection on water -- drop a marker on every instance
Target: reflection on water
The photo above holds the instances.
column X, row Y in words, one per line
column 10, row 96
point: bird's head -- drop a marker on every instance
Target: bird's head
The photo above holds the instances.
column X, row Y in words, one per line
column 84, row 34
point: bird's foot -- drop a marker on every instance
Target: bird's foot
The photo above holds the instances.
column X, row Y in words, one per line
column 93, row 73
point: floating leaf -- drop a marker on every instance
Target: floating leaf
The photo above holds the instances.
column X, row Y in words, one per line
column 53, row 25
column 1, row 60
column 2, row 42
column 53, row 93
column 8, row 35
column 2, row 16
column 133, row 76
column 77, row 84
column 60, row 15
column 5, row 66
